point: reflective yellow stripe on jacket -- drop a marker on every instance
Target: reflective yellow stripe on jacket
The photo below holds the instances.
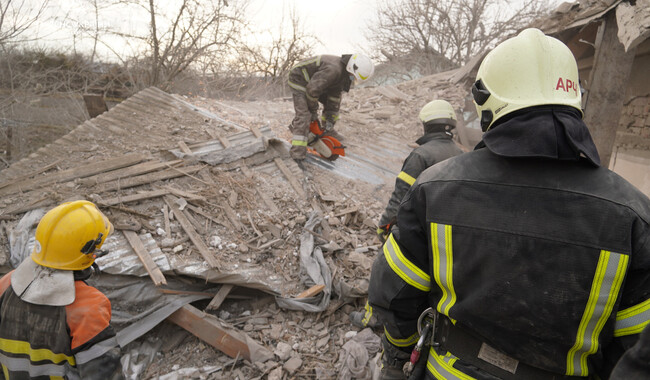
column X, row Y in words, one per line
column 36, row 355
column 406, row 178
column 405, row 269
column 633, row 319
column 441, row 366
column 24, row 357
column 443, row 264
column 605, row 287
column 405, row 342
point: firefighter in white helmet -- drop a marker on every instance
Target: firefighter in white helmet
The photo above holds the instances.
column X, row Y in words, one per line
column 53, row 324
column 523, row 259
column 438, row 120
column 323, row 79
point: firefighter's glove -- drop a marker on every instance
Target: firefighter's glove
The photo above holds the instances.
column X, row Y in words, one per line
column 383, row 232
column 392, row 361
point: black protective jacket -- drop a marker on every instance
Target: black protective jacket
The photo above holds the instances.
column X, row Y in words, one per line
column 322, row 79
column 433, row 148
column 525, row 244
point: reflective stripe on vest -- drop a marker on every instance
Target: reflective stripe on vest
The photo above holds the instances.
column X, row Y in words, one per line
column 406, row 342
column 299, row 140
column 633, row 319
column 443, row 264
column 441, row 366
column 367, row 315
column 334, row 99
column 406, row 178
column 306, row 62
column 17, row 364
column 605, row 287
column 296, row 86
column 405, row 269
column 305, row 74
column 17, row 347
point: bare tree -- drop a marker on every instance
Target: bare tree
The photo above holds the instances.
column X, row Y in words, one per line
column 274, row 58
column 447, row 31
column 179, row 36
column 16, row 16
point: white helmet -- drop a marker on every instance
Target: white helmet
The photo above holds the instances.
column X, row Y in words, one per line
column 438, row 112
column 528, row 70
column 361, row 67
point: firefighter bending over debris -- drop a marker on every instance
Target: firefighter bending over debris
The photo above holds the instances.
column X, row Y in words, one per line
column 523, row 259
column 52, row 324
column 322, row 79
column 436, row 145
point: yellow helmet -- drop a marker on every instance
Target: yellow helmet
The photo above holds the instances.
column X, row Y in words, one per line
column 67, row 236
column 438, row 112
column 528, row 70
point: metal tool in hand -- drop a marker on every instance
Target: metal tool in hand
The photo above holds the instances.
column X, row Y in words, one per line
column 426, row 327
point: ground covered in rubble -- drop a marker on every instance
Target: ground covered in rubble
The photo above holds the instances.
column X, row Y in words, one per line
column 229, row 207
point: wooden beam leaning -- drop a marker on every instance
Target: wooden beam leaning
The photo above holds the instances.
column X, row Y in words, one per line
column 191, row 232
column 209, row 330
column 31, row 174
column 132, row 198
column 143, row 168
column 147, row 178
column 287, row 174
column 149, row 265
column 219, row 297
column 73, row 173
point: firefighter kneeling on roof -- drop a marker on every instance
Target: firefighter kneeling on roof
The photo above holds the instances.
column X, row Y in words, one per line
column 52, row 324
column 523, row 259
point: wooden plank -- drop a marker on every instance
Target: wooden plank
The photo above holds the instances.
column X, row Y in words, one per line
column 199, row 228
column 147, row 178
column 184, row 148
column 232, row 216
column 607, row 86
column 191, row 232
column 255, row 131
column 168, row 231
column 95, row 104
column 154, row 272
column 132, row 198
column 267, row 200
column 74, row 173
column 289, row 176
column 219, row 297
column 184, row 194
column 210, row 331
column 142, row 168
column 225, row 142
column 348, row 210
column 311, row 291
column 31, row 174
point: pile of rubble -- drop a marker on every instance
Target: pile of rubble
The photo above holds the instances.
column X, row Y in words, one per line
column 229, row 260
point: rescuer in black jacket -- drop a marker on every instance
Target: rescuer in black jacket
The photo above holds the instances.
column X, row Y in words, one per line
column 436, row 145
column 534, row 259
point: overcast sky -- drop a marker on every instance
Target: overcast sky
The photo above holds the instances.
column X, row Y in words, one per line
column 339, row 24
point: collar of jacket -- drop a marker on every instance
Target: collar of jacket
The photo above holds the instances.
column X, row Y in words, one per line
column 555, row 132
column 433, row 136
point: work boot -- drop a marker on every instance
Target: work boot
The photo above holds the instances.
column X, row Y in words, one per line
column 335, row 134
column 298, row 153
column 357, row 318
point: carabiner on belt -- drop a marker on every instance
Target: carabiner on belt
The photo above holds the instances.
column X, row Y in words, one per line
column 426, row 328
